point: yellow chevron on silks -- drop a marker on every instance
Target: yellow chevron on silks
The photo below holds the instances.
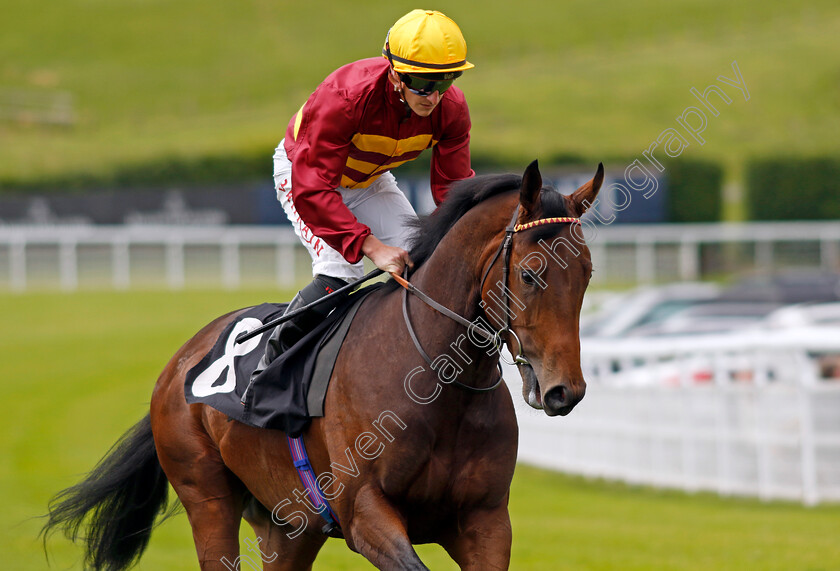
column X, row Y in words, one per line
column 393, row 165
column 363, row 167
column 370, row 168
column 391, row 147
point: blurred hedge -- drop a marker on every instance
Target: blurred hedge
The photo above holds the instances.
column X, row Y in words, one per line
column 783, row 188
column 220, row 169
column 695, row 191
column 162, row 172
column 694, row 187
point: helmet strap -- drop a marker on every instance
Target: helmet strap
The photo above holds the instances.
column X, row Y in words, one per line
column 408, row 110
column 388, row 49
column 404, row 102
column 401, row 89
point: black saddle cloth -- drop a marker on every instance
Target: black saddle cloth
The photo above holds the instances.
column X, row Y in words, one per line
column 291, row 390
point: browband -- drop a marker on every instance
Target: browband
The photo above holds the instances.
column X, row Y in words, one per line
column 541, row 221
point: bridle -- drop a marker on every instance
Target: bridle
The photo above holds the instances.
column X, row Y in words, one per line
column 504, row 250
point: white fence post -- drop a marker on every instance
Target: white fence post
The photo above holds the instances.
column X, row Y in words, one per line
column 231, row 268
column 830, row 250
column 17, row 263
column 764, row 254
column 689, row 259
column 645, row 261
column 807, row 385
column 723, row 428
column 285, row 265
column 120, row 263
column 68, row 265
column 761, row 427
column 688, row 439
column 175, row 272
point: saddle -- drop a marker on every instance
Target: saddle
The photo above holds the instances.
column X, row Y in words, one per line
column 291, row 390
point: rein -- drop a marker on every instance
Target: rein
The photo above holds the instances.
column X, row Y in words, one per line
column 410, row 288
column 504, row 248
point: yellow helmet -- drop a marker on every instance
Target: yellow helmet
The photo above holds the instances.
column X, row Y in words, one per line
column 426, row 41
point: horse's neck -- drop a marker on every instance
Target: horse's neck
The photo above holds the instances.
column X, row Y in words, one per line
column 455, row 268
column 452, row 276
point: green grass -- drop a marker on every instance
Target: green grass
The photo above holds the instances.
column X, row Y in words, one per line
column 78, row 371
column 190, row 78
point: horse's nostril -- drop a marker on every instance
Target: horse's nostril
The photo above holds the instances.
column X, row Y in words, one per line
column 561, row 399
column 556, row 397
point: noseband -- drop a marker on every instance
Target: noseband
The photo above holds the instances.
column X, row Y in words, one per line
column 504, row 250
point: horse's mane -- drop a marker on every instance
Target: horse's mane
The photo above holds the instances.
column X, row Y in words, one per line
column 429, row 230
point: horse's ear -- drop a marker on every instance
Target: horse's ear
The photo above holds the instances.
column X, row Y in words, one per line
column 529, row 192
column 581, row 200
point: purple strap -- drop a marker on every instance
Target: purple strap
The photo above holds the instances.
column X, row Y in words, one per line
column 307, row 478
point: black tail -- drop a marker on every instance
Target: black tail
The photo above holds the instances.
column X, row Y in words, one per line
column 123, row 495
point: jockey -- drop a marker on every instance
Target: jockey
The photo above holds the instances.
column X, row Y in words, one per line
column 331, row 170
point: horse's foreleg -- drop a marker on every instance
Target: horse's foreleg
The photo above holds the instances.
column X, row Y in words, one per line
column 377, row 531
column 483, row 540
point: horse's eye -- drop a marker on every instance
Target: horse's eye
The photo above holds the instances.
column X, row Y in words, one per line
column 528, row 278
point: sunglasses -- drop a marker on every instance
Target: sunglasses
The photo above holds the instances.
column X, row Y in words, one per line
column 425, row 87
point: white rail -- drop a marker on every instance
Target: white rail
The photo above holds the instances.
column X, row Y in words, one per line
column 679, row 251
column 64, row 256
column 758, row 421
column 55, row 253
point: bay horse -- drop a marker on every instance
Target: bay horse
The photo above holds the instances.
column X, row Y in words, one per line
column 403, row 455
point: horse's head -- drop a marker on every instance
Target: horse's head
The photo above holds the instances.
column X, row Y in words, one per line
column 550, row 267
